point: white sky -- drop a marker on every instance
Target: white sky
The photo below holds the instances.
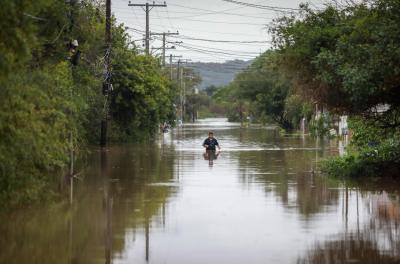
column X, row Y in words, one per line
column 205, row 19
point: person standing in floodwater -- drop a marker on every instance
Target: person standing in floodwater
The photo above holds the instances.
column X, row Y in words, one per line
column 211, row 143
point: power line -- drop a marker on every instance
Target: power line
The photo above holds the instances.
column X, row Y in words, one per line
column 164, row 40
column 207, row 10
column 212, row 21
column 212, row 32
column 223, row 50
column 210, row 12
column 212, row 40
column 266, row 7
column 195, row 14
column 148, row 8
column 169, row 19
column 207, row 50
column 213, row 51
column 224, row 41
column 216, row 56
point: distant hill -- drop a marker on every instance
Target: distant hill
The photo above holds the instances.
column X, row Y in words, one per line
column 218, row 74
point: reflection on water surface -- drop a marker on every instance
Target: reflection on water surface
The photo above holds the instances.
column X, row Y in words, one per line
column 258, row 201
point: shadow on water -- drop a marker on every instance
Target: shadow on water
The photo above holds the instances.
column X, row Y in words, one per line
column 259, row 200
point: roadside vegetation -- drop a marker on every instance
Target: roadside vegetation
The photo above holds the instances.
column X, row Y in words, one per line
column 343, row 57
column 51, row 99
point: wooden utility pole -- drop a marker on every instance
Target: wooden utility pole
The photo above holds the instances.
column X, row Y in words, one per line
column 163, row 51
column 107, row 80
column 171, row 65
column 182, row 86
column 181, row 83
column 164, row 40
column 178, row 71
column 148, row 7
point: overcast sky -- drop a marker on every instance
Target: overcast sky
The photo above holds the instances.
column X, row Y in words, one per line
column 206, row 21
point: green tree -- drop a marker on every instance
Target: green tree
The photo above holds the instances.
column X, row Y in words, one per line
column 348, row 60
column 345, row 58
column 142, row 97
column 45, row 100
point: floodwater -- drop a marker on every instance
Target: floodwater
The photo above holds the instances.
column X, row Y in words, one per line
column 258, row 201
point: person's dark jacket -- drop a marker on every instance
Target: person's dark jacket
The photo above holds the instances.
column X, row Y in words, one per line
column 211, row 143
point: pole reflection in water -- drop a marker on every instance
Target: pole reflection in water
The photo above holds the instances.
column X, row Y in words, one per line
column 263, row 201
column 147, row 232
column 107, row 205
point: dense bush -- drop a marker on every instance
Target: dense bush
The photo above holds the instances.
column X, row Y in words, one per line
column 372, row 152
column 346, row 58
column 265, row 94
column 49, row 107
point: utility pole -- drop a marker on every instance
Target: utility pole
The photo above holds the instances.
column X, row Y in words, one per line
column 164, row 40
column 179, row 75
column 182, row 87
column 71, row 135
column 107, row 79
column 181, row 91
column 148, row 7
column 171, row 65
column 184, row 96
column 178, row 71
column 163, row 52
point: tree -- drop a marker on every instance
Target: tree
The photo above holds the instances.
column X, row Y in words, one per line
column 142, row 97
column 45, row 98
column 346, row 59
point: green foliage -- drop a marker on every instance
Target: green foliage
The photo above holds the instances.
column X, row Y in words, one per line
column 49, row 107
column 17, row 34
column 320, row 127
column 373, row 152
column 210, row 90
column 381, row 160
column 236, row 109
column 34, row 125
column 201, row 105
column 346, row 59
column 142, row 98
column 296, row 109
column 266, row 95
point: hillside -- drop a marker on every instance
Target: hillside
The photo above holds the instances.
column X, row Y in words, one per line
column 218, row 74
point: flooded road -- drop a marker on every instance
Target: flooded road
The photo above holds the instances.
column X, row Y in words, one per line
column 258, row 201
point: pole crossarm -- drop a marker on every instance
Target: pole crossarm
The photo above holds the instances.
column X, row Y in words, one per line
column 164, row 40
column 148, row 8
column 167, row 48
column 165, row 33
column 147, row 4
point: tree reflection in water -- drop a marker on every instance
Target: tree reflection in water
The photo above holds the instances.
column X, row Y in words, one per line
column 109, row 203
column 377, row 242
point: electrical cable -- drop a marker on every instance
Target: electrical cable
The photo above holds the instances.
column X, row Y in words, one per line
column 212, row 40
column 223, row 41
column 223, row 50
column 209, row 21
column 266, row 7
